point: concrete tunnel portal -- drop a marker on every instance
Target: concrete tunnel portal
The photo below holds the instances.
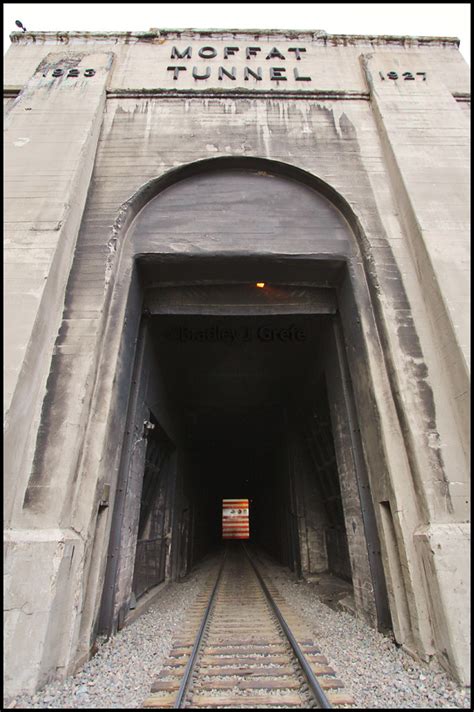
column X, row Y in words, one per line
column 148, row 377
column 236, row 385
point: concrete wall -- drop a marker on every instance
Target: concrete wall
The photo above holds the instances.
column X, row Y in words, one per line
column 393, row 150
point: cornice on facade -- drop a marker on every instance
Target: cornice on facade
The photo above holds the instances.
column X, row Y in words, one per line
column 319, row 37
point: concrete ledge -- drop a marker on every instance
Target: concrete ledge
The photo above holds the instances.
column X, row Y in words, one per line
column 238, row 92
column 144, row 603
column 155, row 34
column 40, row 574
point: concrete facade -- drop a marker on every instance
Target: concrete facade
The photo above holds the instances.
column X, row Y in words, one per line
column 103, row 134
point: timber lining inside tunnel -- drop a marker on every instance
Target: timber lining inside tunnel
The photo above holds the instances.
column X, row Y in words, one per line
column 236, row 387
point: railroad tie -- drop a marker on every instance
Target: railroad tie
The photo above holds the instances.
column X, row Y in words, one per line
column 244, row 658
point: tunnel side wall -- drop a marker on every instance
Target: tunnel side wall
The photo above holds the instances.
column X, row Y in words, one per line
column 148, row 403
column 411, row 217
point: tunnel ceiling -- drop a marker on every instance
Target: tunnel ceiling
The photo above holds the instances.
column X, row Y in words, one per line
column 232, row 377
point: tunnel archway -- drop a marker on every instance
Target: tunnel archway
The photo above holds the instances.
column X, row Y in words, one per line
column 187, row 249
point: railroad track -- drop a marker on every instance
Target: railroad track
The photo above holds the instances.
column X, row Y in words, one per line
column 240, row 652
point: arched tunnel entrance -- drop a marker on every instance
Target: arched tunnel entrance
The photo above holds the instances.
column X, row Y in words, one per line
column 241, row 389
column 226, row 388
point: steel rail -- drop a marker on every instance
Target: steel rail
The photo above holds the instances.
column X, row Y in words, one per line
column 197, row 641
column 309, row 674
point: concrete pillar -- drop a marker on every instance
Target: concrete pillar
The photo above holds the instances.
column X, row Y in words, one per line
column 425, row 137
column 51, row 137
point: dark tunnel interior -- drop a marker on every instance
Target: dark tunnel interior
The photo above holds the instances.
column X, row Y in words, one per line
column 240, row 410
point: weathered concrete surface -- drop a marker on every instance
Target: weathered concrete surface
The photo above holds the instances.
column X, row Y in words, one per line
column 50, row 143
column 332, row 61
column 410, row 385
column 40, row 574
column 445, row 552
column 427, row 137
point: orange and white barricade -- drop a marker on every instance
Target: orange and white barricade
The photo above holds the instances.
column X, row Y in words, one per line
column 235, row 519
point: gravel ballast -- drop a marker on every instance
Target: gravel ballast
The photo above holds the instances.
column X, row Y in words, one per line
column 121, row 673
column 374, row 670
